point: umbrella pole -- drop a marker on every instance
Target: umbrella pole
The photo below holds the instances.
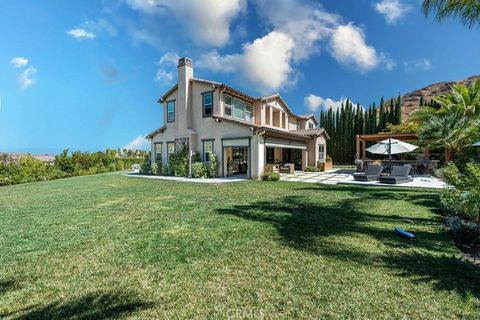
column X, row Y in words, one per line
column 390, row 152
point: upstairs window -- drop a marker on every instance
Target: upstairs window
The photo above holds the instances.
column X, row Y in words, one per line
column 228, row 103
column 158, row 151
column 207, row 98
column 310, row 125
column 171, row 111
column 239, row 109
column 248, row 112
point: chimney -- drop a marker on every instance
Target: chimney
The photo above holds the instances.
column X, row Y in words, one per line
column 185, row 73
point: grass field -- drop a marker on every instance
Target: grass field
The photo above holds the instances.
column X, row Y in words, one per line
column 109, row 246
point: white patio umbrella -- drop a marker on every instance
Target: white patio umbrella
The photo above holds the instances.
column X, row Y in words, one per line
column 391, row 146
column 476, row 144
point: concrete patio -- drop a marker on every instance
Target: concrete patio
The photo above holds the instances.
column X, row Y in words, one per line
column 344, row 176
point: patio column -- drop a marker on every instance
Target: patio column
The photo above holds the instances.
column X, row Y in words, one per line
column 270, row 115
column 357, row 147
column 426, row 152
column 304, row 159
column 364, row 151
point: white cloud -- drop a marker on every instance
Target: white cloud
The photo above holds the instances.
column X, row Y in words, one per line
column 27, row 77
column 166, row 62
column 163, row 76
column 266, row 62
column 139, row 143
column 99, row 26
column 169, row 57
column 80, row 33
column 349, row 48
column 306, row 24
column 19, row 62
column 217, row 63
column 421, row 64
column 392, row 10
column 313, row 102
column 208, row 20
column 298, row 31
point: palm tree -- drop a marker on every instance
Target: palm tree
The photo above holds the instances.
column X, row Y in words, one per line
column 455, row 120
column 452, row 131
column 467, row 10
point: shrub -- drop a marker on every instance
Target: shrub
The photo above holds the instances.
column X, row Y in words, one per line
column 146, row 167
column 64, row 162
column 212, row 165
column 311, row 169
column 179, row 164
column 159, row 165
column 462, row 231
column 166, row 171
column 270, row 176
column 463, row 198
column 199, row 170
column 274, row 176
column 154, row 168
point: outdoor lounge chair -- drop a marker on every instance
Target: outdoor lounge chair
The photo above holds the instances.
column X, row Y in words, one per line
column 287, row 168
column 371, row 173
column 400, row 174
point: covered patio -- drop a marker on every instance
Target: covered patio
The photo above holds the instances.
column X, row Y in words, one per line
column 420, row 165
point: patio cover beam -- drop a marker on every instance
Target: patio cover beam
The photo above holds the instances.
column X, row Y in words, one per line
column 362, row 139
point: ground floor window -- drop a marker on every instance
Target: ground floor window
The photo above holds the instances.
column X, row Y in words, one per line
column 270, row 155
column 170, row 149
column 158, row 151
column 321, row 152
column 207, row 150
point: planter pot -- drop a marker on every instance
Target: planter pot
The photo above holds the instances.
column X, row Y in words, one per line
column 325, row 166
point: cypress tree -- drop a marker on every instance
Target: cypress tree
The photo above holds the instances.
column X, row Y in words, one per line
column 398, row 111
column 391, row 114
column 381, row 122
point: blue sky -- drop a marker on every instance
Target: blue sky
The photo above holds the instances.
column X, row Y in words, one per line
column 86, row 74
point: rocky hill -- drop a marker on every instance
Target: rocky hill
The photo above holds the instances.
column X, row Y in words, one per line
column 411, row 101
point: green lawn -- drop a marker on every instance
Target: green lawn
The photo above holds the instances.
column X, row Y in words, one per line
column 110, row 246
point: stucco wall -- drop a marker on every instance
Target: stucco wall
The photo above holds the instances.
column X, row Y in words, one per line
column 205, row 127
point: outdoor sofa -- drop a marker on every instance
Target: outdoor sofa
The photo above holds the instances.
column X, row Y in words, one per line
column 371, row 173
column 399, row 174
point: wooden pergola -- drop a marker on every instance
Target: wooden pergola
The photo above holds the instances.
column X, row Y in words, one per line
column 362, row 139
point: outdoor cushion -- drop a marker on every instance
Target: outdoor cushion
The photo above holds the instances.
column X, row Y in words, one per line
column 400, row 171
column 400, row 174
column 371, row 174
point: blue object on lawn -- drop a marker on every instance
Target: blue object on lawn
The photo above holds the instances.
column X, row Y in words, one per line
column 404, row 233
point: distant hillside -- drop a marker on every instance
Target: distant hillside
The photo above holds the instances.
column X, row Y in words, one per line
column 411, row 101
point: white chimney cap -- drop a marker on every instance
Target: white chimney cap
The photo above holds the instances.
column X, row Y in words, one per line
column 184, row 62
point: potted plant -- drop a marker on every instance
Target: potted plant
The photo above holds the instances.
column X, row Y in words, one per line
column 327, row 165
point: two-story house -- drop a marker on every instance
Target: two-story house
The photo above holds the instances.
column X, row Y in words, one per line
column 244, row 132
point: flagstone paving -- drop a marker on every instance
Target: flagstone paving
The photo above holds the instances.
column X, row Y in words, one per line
column 328, row 177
